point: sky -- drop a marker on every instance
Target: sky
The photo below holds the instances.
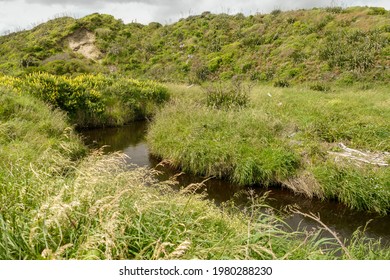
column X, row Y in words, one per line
column 16, row 15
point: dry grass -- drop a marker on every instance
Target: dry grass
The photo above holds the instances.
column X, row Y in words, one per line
column 305, row 183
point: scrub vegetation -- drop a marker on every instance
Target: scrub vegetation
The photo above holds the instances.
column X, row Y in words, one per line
column 327, row 45
column 93, row 100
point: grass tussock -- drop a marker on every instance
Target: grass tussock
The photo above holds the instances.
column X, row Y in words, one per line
column 239, row 145
column 289, row 136
column 224, row 97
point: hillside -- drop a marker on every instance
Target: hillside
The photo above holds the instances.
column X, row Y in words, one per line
column 330, row 44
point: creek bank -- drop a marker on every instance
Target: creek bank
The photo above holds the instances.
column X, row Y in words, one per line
column 294, row 143
column 130, row 139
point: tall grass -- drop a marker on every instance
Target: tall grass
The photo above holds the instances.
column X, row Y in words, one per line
column 109, row 212
column 225, row 97
column 35, row 143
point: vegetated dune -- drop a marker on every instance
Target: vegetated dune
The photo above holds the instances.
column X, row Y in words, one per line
column 327, row 44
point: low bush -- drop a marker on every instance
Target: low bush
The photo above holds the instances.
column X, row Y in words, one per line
column 319, row 87
column 353, row 50
column 71, row 95
column 276, row 12
column 93, row 100
column 281, row 83
column 335, row 10
column 377, row 11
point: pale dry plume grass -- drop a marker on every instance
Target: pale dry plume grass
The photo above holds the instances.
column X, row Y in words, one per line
column 91, row 205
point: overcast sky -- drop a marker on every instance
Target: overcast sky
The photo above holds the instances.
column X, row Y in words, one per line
column 24, row 14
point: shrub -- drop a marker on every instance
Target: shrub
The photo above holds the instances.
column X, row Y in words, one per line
column 377, row 11
column 201, row 73
column 320, row 87
column 93, row 100
column 298, row 56
column 253, row 40
column 281, row 83
column 291, row 20
column 347, row 79
column 276, row 12
column 62, row 67
column 355, row 51
column 215, row 64
column 335, row 10
column 70, row 95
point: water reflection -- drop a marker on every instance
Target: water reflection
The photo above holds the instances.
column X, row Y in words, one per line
column 129, row 139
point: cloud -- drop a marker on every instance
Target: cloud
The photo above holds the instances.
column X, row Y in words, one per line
column 16, row 14
column 92, row 3
column 172, row 5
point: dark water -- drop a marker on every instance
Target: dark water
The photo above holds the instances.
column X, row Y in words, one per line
column 131, row 140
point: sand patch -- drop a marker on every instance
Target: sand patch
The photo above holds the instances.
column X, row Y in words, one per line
column 82, row 41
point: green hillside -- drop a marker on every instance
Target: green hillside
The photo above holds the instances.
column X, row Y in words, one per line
column 329, row 44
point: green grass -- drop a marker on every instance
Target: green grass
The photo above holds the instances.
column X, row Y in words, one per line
column 288, row 136
column 35, row 142
column 240, row 145
column 55, row 203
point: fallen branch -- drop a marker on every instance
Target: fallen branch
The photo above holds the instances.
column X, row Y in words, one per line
column 345, row 148
column 365, row 157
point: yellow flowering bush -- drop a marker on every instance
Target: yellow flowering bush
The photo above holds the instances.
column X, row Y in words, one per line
column 93, row 100
column 65, row 93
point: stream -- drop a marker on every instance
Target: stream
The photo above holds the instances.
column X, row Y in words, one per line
column 130, row 139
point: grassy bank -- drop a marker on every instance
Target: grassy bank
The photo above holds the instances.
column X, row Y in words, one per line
column 93, row 100
column 299, row 137
column 58, row 204
column 38, row 150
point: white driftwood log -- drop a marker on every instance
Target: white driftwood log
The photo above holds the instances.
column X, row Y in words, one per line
column 366, row 157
